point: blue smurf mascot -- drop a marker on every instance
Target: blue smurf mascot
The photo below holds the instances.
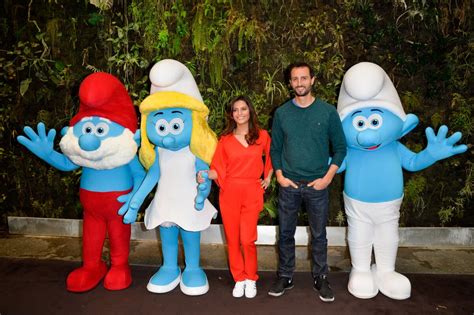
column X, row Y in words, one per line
column 373, row 120
column 101, row 141
column 176, row 143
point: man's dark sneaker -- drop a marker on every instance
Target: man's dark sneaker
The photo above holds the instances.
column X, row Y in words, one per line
column 279, row 287
column 321, row 284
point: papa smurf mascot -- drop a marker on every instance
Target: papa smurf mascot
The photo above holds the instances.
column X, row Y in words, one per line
column 100, row 139
column 373, row 120
column 176, row 143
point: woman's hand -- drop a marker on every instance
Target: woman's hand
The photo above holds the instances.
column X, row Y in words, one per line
column 265, row 183
column 202, row 176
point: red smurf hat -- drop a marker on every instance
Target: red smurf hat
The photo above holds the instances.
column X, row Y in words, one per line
column 101, row 94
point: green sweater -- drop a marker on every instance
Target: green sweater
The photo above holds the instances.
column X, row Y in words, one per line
column 303, row 140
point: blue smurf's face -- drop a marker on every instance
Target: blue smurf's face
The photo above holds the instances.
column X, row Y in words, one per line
column 371, row 128
column 170, row 128
column 91, row 131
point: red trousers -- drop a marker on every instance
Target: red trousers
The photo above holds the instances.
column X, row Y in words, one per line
column 100, row 218
column 240, row 205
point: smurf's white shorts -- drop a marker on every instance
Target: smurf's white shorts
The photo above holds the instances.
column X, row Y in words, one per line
column 373, row 213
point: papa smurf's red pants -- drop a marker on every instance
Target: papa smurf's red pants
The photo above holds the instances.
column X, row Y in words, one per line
column 240, row 203
column 100, row 218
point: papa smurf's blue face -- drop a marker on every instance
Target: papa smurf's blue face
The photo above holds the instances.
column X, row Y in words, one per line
column 91, row 131
column 170, row 128
column 371, row 128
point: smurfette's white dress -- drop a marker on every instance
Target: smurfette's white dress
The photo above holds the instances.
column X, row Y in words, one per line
column 173, row 202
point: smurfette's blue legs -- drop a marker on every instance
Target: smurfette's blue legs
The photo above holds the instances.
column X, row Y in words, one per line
column 194, row 280
column 169, row 275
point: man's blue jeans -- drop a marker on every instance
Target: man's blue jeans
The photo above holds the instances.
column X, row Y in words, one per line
column 317, row 204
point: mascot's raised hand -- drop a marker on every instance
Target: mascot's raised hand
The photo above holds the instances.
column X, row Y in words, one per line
column 373, row 120
column 101, row 140
column 439, row 147
column 176, row 144
column 41, row 145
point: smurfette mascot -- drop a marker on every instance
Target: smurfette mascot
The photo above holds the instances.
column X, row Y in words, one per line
column 176, row 143
column 100, row 139
column 373, row 120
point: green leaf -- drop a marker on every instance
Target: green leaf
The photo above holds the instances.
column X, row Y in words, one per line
column 95, row 19
column 59, row 65
column 24, row 85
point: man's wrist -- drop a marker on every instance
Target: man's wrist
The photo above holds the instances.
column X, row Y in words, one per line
column 328, row 178
column 331, row 173
column 279, row 175
column 281, row 178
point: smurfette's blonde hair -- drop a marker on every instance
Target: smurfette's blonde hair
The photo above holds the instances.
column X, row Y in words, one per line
column 203, row 140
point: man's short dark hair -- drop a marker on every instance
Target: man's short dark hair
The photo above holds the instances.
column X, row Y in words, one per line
column 298, row 64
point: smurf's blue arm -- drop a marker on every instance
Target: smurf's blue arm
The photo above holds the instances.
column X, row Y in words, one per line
column 151, row 179
column 138, row 174
column 41, row 145
column 204, row 188
column 439, row 147
column 201, row 165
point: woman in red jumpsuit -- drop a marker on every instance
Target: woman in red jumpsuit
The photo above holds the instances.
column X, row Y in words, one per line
column 237, row 168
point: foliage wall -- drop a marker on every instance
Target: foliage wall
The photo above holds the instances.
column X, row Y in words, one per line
column 236, row 47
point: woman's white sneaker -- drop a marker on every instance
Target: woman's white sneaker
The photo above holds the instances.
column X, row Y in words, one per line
column 250, row 289
column 239, row 289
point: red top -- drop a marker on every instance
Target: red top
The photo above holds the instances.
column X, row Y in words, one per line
column 234, row 161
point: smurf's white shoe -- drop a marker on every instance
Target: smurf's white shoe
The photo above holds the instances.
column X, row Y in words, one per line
column 194, row 282
column 392, row 284
column 362, row 284
column 165, row 280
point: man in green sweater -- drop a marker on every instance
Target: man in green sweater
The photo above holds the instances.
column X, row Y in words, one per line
column 306, row 133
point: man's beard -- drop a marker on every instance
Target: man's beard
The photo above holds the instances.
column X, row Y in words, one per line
column 113, row 152
column 305, row 92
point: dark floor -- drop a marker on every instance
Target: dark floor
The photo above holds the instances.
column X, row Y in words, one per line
column 30, row 286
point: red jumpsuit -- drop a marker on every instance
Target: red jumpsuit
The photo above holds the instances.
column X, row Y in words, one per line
column 239, row 171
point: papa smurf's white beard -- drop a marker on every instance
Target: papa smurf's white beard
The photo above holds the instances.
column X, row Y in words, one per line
column 113, row 151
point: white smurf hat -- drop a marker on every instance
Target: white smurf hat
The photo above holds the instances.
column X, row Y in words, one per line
column 171, row 75
column 368, row 85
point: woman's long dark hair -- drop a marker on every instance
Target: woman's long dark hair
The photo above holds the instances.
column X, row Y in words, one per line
column 254, row 127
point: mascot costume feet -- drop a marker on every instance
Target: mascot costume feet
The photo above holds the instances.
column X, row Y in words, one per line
column 176, row 143
column 100, row 139
column 373, row 120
